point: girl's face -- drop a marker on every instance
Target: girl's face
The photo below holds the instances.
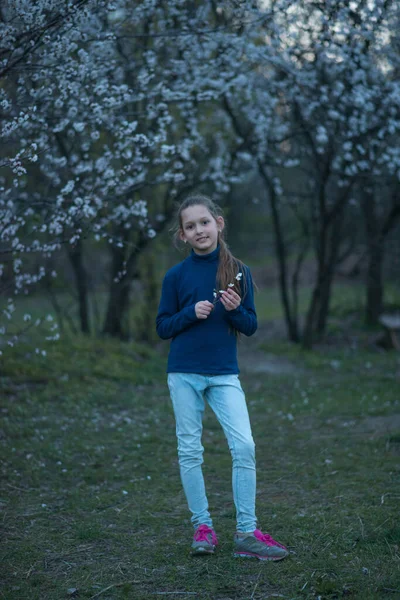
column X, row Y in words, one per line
column 200, row 229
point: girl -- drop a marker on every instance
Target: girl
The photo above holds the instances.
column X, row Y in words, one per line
column 206, row 301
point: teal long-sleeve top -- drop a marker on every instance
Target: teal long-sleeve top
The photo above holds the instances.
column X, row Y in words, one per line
column 205, row 346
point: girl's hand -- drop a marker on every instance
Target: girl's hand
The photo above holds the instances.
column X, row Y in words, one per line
column 203, row 309
column 230, row 299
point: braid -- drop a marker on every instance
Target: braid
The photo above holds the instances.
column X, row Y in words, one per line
column 228, row 268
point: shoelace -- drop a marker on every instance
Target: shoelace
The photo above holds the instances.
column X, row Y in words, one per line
column 267, row 539
column 202, row 534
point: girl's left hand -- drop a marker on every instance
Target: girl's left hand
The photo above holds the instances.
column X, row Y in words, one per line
column 230, row 299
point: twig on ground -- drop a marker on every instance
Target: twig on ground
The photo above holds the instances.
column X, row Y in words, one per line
column 256, row 585
column 379, row 526
column 167, row 593
column 119, row 510
column 114, row 585
column 14, row 487
column 29, row 572
column 387, row 494
column 362, row 528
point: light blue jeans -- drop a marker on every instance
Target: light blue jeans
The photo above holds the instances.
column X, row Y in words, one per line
column 225, row 396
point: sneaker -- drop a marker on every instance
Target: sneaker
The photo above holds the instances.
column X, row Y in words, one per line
column 259, row 545
column 204, row 540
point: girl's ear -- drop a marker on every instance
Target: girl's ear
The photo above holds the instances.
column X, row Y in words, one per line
column 182, row 236
column 220, row 223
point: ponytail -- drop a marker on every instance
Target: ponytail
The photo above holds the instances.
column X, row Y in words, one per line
column 228, row 269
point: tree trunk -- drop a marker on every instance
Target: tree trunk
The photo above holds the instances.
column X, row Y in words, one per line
column 76, row 258
column 324, row 304
column 318, row 311
column 375, row 289
column 326, row 284
column 309, row 326
column 145, row 329
column 280, row 250
column 375, row 241
column 118, row 301
column 328, row 226
column 118, row 296
column 321, row 230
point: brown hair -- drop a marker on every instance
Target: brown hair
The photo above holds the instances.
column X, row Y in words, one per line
column 228, row 266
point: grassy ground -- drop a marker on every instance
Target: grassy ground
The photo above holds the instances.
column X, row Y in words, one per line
column 91, row 497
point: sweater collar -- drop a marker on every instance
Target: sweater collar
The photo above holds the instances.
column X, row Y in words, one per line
column 205, row 258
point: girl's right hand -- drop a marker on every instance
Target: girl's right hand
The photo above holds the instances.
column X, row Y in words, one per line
column 203, row 309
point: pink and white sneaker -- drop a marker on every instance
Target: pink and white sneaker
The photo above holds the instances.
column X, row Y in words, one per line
column 258, row 545
column 204, row 540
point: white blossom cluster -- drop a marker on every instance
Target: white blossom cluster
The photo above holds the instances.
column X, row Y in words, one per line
column 218, row 293
column 331, row 93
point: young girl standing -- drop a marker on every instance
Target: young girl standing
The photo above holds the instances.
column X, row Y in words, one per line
column 206, row 300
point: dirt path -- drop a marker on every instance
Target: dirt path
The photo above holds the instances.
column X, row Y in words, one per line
column 254, row 360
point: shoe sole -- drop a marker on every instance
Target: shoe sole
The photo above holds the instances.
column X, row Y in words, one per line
column 201, row 551
column 249, row 555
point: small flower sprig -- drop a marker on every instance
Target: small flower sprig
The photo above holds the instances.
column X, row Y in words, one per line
column 217, row 294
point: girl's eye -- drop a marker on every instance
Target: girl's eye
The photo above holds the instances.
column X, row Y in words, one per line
column 205, row 222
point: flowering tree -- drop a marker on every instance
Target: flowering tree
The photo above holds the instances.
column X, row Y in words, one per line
column 110, row 112
column 351, row 126
column 25, row 32
column 333, row 124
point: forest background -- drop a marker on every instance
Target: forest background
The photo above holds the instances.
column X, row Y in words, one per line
column 285, row 113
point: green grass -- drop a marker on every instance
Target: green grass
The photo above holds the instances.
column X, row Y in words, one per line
column 92, row 499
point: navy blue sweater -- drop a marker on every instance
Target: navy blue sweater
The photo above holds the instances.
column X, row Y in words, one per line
column 206, row 346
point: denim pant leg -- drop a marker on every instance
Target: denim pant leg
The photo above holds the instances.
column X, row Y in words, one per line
column 226, row 397
column 186, row 392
